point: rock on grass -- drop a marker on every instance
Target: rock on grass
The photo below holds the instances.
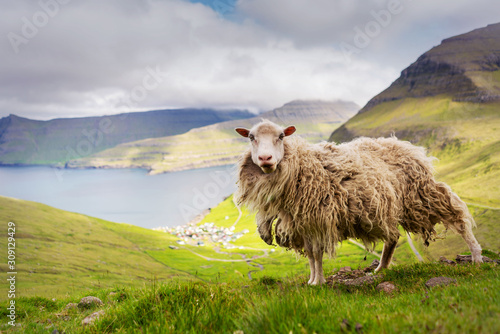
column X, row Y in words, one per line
column 387, row 287
column 91, row 318
column 89, row 302
column 435, row 281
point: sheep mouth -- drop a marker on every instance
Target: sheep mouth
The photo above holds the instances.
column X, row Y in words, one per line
column 268, row 168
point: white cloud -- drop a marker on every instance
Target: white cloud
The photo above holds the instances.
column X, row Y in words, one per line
column 92, row 56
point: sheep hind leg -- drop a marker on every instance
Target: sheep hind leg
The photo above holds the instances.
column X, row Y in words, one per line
column 312, row 268
column 471, row 241
column 387, row 253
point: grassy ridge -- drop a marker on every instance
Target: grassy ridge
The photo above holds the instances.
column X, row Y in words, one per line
column 25, row 141
column 205, row 147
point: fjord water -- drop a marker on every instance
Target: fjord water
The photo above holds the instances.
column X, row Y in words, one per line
column 122, row 195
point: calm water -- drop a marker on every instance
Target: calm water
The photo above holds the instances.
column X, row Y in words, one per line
column 122, row 195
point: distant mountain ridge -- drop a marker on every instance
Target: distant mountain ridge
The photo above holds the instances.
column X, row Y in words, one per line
column 218, row 144
column 24, row 141
column 462, row 66
column 298, row 111
column 311, row 110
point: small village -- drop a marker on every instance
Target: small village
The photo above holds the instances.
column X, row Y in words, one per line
column 195, row 235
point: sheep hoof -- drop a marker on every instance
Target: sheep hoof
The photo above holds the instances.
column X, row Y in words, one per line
column 477, row 260
column 317, row 283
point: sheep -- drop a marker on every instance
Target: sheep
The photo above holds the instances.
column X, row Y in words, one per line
column 322, row 194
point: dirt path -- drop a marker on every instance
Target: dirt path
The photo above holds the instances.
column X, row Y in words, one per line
column 248, row 261
column 239, row 213
column 244, row 258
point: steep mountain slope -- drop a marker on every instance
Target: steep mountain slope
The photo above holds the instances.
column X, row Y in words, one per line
column 464, row 67
column 449, row 102
column 218, row 144
column 26, row 141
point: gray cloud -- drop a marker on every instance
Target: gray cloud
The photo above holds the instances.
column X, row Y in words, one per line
column 65, row 58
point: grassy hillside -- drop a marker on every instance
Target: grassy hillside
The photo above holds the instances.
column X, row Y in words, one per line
column 59, row 253
column 463, row 136
column 218, row 144
column 25, row 141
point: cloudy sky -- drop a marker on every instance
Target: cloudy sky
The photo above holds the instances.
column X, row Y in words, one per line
column 68, row 58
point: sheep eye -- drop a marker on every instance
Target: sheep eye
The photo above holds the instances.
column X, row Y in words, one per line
column 282, row 135
column 251, row 137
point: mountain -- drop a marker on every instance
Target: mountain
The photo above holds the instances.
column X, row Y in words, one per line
column 24, row 141
column 463, row 67
column 218, row 144
column 448, row 101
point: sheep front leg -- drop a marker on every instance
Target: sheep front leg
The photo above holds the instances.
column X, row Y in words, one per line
column 312, row 264
column 387, row 253
column 315, row 255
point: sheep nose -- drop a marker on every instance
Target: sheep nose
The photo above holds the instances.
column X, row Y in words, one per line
column 265, row 158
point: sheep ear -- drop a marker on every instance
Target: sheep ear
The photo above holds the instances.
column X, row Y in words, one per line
column 290, row 130
column 243, row 132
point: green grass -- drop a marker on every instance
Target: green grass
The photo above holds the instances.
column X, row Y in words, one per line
column 283, row 305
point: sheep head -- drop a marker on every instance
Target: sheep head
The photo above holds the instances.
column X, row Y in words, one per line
column 266, row 139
